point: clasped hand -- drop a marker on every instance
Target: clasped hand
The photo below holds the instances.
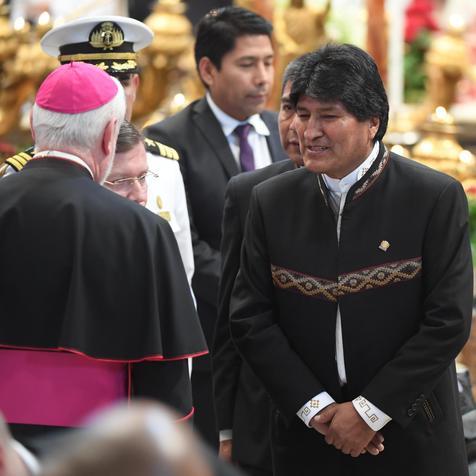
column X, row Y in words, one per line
column 343, row 428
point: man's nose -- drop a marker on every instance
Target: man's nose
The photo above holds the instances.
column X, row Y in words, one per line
column 313, row 130
column 138, row 193
column 263, row 74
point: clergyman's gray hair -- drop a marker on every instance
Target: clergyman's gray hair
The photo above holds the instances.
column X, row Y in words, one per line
column 80, row 132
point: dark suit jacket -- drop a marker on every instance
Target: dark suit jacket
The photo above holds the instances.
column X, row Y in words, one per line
column 405, row 309
column 241, row 402
column 207, row 164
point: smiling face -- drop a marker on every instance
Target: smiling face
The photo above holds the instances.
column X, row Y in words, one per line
column 286, row 123
column 333, row 141
column 242, row 84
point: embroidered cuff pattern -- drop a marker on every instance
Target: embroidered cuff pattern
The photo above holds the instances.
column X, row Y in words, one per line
column 373, row 416
column 314, row 406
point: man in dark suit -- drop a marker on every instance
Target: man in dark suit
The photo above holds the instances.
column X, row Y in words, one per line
column 354, row 293
column 240, row 400
column 217, row 137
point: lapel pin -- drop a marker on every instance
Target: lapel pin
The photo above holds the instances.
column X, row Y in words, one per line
column 384, row 245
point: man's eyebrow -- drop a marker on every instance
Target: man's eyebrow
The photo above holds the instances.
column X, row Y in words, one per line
column 254, row 57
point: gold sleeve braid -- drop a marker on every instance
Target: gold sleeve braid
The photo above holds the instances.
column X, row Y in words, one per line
column 158, row 148
column 17, row 161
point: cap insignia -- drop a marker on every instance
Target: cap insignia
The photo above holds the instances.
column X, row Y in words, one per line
column 126, row 66
column 106, row 35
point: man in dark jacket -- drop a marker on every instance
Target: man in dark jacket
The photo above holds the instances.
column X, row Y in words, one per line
column 241, row 402
column 354, row 294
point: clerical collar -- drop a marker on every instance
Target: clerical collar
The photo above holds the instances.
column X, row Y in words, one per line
column 343, row 185
column 228, row 123
column 63, row 155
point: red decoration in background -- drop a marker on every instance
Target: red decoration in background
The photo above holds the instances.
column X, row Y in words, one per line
column 419, row 16
column 7, row 149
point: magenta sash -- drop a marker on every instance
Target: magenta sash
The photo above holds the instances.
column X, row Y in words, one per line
column 56, row 388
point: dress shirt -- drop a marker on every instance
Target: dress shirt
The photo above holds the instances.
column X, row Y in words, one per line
column 338, row 189
column 256, row 137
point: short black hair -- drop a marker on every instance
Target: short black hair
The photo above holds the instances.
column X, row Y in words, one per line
column 218, row 30
column 347, row 74
column 291, row 72
column 129, row 136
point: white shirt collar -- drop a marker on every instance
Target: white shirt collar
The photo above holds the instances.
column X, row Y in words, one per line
column 228, row 123
column 343, row 185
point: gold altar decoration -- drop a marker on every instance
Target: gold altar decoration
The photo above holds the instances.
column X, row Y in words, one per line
column 264, row 8
column 439, row 149
column 168, row 78
column 23, row 67
column 298, row 29
column 447, row 61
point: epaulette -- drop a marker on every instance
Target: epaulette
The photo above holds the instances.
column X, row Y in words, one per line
column 18, row 161
column 161, row 149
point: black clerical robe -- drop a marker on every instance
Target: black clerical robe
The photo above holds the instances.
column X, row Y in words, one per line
column 86, row 271
column 402, row 277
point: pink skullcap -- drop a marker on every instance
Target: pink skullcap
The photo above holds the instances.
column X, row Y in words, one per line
column 74, row 88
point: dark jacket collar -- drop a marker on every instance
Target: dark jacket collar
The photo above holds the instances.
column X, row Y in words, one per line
column 366, row 182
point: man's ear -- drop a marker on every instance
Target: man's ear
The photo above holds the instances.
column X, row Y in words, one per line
column 207, row 70
column 374, row 124
column 108, row 137
column 31, row 125
column 135, row 81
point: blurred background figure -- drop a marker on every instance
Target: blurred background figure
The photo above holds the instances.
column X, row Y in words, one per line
column 141, row 439
column 15, row 459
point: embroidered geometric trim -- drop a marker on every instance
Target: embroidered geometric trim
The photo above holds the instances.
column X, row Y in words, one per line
column 308, row 285
column 348, row 283
column 373, row 177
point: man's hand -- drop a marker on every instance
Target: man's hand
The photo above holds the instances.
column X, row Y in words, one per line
column 225, row 450
column 322, row 420
column 342, row 437
column 350, row 434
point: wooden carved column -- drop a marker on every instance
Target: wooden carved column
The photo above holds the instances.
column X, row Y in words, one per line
column 377, row 42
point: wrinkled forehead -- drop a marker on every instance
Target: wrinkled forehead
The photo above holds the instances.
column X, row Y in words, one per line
column 131, row 163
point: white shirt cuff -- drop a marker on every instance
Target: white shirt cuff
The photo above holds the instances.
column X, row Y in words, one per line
column 226, row 435
column 314, row 406
column 373, row 416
